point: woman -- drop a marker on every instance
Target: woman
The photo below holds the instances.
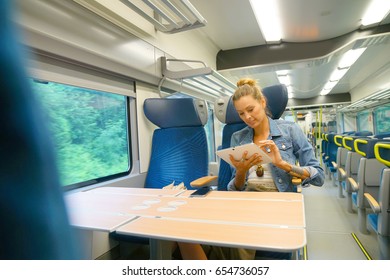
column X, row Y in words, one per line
column 283, row 141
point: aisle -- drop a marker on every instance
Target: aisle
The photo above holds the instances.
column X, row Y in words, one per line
column 330, row 227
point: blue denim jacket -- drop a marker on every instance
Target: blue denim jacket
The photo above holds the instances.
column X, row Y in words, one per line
column 293, row 145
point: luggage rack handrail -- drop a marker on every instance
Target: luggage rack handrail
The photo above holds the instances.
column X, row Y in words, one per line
column 203, row 78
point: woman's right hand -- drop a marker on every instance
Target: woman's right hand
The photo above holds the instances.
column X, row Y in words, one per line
column 245, row 163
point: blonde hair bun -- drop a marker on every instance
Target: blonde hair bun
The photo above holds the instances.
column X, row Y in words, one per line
column 246, row 81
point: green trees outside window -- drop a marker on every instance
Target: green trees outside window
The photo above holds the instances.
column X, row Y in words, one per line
column 89, row 129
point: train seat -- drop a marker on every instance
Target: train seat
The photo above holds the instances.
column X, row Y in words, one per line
column 351, row 168
column 341, row 157
column 324, row 145
column 368, row 179
column 379, row 220
column 332, row 126
column 363, row 133
column 382, row 135
column 331, row 157
column 179, row 145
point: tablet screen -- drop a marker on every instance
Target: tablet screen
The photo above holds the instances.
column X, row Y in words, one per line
column 237, row 152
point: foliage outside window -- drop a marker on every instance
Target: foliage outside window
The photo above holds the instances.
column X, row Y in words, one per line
column 362, row 121
column 381, row 117
column 89, row 129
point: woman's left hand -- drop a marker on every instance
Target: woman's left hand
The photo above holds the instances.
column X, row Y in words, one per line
column 270, row 148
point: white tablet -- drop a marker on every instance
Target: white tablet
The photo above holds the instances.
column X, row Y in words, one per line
column 237, row 152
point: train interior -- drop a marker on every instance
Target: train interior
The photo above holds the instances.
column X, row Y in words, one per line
column 92, row 65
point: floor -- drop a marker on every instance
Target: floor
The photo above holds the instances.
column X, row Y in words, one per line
column 330, row 227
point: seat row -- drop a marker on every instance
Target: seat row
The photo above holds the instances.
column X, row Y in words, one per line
column 359, row 167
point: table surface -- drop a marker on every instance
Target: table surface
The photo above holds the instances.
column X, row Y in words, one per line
column 257, row 220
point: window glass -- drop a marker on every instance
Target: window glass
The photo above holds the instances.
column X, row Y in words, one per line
column 90, row 131
column 382, row 117
column 209, row 128
column 362, row 121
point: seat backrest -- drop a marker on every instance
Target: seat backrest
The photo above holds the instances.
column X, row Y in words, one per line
column 341, row 157
column 34, row 222
column 179, row 146
column 370, row 169
column 331, row 149
column 353, row 158
column 382, row 135
column 277, row 98
column 332, row 126
column 382, row 154
column 364, row 133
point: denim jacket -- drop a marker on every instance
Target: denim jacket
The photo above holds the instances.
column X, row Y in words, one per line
column 293, row 145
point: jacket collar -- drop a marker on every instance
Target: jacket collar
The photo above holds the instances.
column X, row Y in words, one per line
column 274, row 131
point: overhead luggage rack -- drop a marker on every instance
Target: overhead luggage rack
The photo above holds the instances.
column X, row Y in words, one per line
column 376, row 99
column 169, row 16
column 203, row 78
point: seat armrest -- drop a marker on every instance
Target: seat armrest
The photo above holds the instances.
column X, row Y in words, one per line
column 373, row 203
column 342, row 173
column 296, row 181
column 203, row 181
column 334, row 164
column 354, row 185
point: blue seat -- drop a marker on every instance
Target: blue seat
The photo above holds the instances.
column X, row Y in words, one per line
column 34, row 222
column 179, row 146
column 379, row 220
column 351, row 168
column 332, row 126
column 341, row 160
column 277, row 98
column 382, row 135
column 368, row 179
column 324, row 144
column 331, row 158
column 363, row 133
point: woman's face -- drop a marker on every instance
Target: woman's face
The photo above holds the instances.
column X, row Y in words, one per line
column 250, row 110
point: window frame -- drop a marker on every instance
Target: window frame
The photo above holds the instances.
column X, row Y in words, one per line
column 63, row 71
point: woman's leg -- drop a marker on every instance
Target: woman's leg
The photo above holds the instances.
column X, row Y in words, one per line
column 190, row 251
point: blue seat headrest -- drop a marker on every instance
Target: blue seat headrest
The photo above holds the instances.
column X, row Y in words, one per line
column 366, row 146
column 176, row 112
column 331, row 137
column 382, row 135
column 363, row 133
column 277, row 98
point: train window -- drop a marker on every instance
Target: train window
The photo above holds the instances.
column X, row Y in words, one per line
column 381, row 117
column 90, row 132
column 209, row 128
column 363, row 120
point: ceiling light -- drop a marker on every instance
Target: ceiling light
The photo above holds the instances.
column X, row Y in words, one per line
column 350, row 57
column 268, row 19
column 329, row 85
column 284, row 79
column 338, row 74
column 325, row 91
column 376, row 11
